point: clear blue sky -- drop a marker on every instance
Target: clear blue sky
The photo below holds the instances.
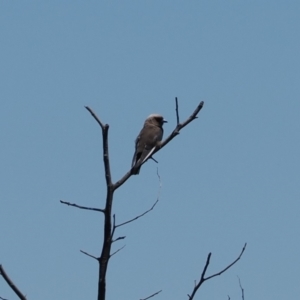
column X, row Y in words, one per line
column 230, row 177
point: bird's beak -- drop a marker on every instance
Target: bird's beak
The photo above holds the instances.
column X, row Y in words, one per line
column 165, row 121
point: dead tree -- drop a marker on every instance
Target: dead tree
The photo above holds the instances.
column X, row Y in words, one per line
column 110, row 225
column 109, row 220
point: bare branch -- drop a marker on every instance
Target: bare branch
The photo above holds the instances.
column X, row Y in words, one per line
column 3, row 298
column 105, row 146
column 92, row 256
column 154, row 160
column 107, row 239
column 116, row 251
column 167, row 140
column 175, row 132
column 119, row 238
column 122, row 180
column 95, row 117
column 203, row 279
column 228, row 297
column 82, row 207
column 177, row 112
column 114, row 228
column 141, row 215
column 219, row 273
column 205, row 267
column 109, row 228
column 241, row 288
column 137, row 217
column 11, row 284
column 152, row 295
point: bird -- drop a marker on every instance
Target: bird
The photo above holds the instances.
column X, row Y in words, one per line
column 147, row 141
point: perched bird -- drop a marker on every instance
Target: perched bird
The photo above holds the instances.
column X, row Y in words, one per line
column 147, row 140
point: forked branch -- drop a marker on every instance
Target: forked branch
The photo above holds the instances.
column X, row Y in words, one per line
column 179, row 126
column 107, row 239
column 203, row 279
column 105, row 146
column 174, row 133
column 109, row 226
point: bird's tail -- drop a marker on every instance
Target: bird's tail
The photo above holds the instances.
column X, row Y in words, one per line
column 135, row 170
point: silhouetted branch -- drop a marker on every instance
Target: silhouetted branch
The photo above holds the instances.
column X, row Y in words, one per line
column 95, row 117
column 241, row 288
column 153, row 159
column 119, row 238
column 11, row 284
column 139, row 216
column 116, row 251
column 179, row 126
column 109, row 228
column 82, row 207
column 122, row 180
column 203, row 279
column 151, row 295
column 92, row 256
column 105, row 146
column 219, row 273
column 175, row 132
column 3, row 298
column 177, row 112
column 107, row 239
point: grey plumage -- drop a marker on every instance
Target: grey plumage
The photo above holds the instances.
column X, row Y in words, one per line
column 147, row 140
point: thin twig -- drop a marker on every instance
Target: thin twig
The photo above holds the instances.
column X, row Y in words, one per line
column 82, row 207
column 11, row 284
column 241, row 288
column 137, row 217
column 219, row 273
column 205, row 267
column 203, row 279
column 92, row 256
column 160, row 184
column 119, row 238
column 177, row 112
column 95, row 117
column 141, row 215
column 152, row 295
column 114, row 228
column 175, row 132
column 116, row 251
column 3, row 298
column 154, row 159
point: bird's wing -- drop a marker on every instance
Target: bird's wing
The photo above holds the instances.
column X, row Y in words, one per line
column 135, row 156
column 146, row 143
column 148, row 154
column 154, row 136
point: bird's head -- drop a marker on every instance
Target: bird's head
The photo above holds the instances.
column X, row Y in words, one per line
column 156, row 119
